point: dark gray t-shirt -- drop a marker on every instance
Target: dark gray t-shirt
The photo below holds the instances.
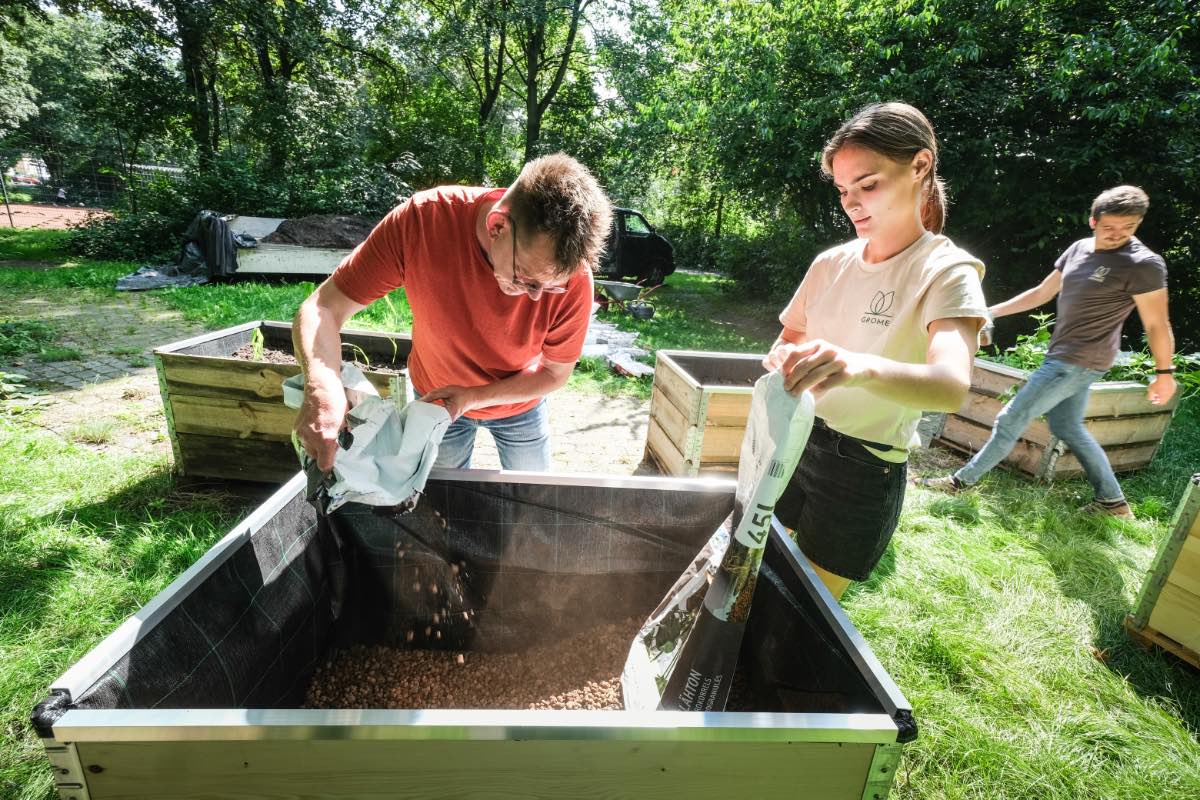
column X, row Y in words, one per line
column 1097, row 297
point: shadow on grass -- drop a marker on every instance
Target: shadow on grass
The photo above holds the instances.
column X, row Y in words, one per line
column 1081, row 557
column 1090, row 557
column 150, row 531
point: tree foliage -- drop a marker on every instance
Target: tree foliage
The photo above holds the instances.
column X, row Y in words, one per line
column 710, row 116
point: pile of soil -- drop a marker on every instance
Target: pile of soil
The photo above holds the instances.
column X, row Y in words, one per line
column 272, row 356
column 581, row 672
column 323, row 230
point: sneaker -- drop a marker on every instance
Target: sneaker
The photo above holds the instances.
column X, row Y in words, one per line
column 1119, row 509
column 946, row 483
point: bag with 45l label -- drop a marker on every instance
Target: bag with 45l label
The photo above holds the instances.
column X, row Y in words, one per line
column 684, row 655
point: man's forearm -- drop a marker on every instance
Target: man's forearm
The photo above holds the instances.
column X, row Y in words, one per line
column 521, row 387
column 1162, row 345
column 317, row 339
column 1025, row 301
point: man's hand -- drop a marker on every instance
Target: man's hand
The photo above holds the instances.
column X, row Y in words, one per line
column 1161, row 389
column 458, row 400
column 988, row 331
column 818, row 365
column 322, row 415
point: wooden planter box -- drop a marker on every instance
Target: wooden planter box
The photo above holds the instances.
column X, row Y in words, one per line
column 698, row 409
column 1118, row 415
column 226, row 415
column 1167, row 613
column 199, row 693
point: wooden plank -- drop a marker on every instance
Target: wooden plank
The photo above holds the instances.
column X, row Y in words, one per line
column 721, row 445
column 728, row 409
column 721, row 370
column 1177, row 615
column 1122, row 458
column 414, row 770
column 237, row 459
column 669, row 458
column 237, row 419
column 204, row 338
column 1129, row 430
column 289, row 259
column 1148, row 637
column 1186, row 572
column 225, row 377
column 165, row 395
column 1123, row 398
column 674, row 424
column 995, row 379
column 674, row 384
column 982, row 410
column 211, row 376
column 968, row 437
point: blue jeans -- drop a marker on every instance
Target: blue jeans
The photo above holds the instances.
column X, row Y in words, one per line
column 1058, row 390
column 523, row 441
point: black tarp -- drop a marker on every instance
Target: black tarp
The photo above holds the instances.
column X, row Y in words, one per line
column 209, row 252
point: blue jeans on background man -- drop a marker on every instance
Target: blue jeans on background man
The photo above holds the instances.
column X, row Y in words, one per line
column 1058, row 390
column 523, row 441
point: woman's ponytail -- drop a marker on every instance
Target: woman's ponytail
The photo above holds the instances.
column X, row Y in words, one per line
column 933, row 209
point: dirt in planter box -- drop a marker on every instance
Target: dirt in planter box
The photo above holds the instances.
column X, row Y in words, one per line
column 323, row 230
column 273, row 356
column 581, row 672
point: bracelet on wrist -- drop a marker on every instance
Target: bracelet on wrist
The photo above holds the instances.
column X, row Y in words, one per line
column 1168, row 371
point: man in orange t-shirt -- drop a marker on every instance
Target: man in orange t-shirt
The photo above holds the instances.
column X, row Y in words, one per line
column 500, row 286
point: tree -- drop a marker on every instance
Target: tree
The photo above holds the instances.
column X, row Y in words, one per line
column 545, row 39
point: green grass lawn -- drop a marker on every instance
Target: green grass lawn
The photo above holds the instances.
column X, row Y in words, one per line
column 997, row 612
column 31, row 244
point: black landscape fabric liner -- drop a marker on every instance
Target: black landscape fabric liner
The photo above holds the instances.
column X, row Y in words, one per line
column 541, row 561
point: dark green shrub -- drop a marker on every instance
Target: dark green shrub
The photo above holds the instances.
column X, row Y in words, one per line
column 126, row 236
column 769, row 263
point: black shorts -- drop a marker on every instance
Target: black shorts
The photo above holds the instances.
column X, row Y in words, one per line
column 843, row 502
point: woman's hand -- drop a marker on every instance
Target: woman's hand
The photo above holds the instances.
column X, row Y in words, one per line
column 818, row 365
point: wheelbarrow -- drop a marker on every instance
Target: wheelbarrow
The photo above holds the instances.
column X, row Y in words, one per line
column 628, row 297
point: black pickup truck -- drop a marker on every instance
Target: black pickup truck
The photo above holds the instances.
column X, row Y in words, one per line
column 635, row 251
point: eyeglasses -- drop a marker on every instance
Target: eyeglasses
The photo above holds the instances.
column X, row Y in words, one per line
column 531, row 288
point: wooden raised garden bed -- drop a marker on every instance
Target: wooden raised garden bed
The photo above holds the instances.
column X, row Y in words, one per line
column 1167, row 613
column 1118, row 415
column 200, row 694
column 226, row 415
column 698, row 409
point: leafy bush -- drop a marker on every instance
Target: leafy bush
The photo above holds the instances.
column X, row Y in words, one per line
column 769, row 264
column 21, row 336
column 145, row 236
column 1030, row 351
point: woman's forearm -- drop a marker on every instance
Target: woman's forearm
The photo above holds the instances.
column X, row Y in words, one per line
column 928, row 387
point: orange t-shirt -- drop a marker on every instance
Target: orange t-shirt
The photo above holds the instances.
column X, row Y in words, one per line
column 466, row 332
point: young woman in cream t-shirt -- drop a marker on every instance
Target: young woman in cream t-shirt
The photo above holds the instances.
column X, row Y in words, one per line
column 882, row 328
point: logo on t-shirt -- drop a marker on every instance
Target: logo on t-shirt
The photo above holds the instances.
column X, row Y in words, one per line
column 877, row 314
column 1099, row 275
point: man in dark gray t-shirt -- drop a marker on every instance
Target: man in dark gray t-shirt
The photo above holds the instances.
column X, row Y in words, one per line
column 1096, row 297
column 1099, row 282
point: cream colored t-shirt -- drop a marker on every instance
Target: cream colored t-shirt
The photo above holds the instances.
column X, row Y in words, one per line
column 884, row 309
